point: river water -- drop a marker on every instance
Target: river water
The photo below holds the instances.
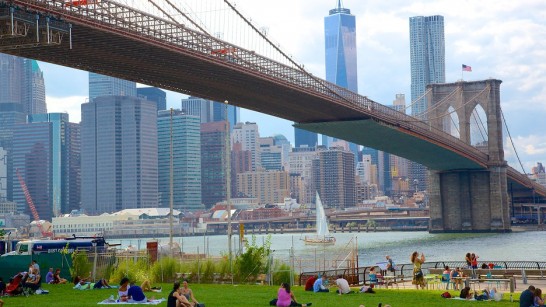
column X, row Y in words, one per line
column 373, row 246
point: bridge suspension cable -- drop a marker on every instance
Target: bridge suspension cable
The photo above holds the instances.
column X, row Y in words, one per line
column 512, row 143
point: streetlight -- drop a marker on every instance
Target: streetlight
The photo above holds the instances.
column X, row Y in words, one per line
column 228, row 186
column 171, row 197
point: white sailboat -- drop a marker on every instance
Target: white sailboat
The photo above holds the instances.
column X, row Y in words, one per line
column 323, row 236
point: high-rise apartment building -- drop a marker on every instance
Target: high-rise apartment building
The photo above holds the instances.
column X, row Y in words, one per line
column 334, row 177
column 270, row 154
column 186, row 160
column 248, row 135
column 340, row 54
column 214, row 162
column 300, row 162
column 101, row 85
column 427, row 58
column 119, row 154
column 41, row 155
column 155, row 94
column 269, row 187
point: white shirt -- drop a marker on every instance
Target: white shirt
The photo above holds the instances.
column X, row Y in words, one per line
column 343, row 285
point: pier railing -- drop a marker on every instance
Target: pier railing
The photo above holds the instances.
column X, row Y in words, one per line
column 356, row 276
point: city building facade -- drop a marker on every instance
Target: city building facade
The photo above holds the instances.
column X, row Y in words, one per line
column 427, row 60
column 268, row 186
column 186, row 159
column 101, row 85
column 118, row 154
column 248, row 135
column 334, row 178
column 341, row 55
column 155, row 94
column 214, row 162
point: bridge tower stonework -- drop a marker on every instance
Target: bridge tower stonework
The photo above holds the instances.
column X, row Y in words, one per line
column 470, row 200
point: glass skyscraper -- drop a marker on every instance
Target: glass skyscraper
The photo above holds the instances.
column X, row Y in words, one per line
column 118, row 154
column 427, row 58
column 42, row 155
column 211, row 111
column 22, row 92
column 214, row 162
column 155, row 94
column 305, row 138
column 101, row 85
column 186, row 136
column 340, row 53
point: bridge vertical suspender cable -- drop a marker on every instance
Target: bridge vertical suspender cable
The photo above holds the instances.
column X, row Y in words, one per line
column 512, row 142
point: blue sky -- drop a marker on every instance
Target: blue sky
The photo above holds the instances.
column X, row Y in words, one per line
column 502, row 39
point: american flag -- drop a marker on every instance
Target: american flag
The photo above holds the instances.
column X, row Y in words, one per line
column 467, row 68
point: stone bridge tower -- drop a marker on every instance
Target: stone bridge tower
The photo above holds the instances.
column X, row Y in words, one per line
column 469, row 200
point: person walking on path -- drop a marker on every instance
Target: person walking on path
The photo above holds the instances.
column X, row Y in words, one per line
column 418, row 276
column 390, row 264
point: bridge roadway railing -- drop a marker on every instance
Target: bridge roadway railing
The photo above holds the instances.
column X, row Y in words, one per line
column 356, row 276
column 526, row 181
column 124, row 20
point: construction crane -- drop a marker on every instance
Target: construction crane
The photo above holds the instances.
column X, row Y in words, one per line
column 45, row 233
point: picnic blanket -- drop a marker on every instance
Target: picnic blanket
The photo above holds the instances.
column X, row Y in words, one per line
column 109, row 301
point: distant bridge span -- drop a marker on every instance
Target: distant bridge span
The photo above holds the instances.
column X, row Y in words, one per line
column 116, row 40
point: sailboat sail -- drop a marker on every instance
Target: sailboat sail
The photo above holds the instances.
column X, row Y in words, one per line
column 322, row 223
column 323, row 233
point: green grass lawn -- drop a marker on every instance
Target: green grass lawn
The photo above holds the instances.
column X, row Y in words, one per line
column 254, row 295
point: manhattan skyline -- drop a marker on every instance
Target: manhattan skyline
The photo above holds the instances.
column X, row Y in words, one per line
column 506, row 43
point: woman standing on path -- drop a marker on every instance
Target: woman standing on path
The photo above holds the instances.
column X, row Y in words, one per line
column 418, row 276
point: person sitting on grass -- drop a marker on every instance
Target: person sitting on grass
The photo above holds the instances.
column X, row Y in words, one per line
column 342, row 285
column 33, row 282
column 319, row 285
column 286, row 298
column 188, row 293
column 539, row 300
column 310, row 282
column 527, row 297
column 123, row 289
column 49, row 276
column 57, row 279
column 466, row 293
column 176, row 299
column 136, row 295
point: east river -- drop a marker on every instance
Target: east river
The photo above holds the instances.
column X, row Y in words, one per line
column 373, row 246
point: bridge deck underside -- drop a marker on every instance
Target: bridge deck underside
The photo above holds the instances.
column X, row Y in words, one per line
column 151, row 62
column 395, row 141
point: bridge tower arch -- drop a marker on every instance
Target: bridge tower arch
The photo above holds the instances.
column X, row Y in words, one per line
column 464, row 200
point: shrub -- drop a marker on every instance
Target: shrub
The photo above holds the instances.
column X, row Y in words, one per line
column 252, row 261
column 281, row 273
column 80, row 265
column 165, row 269
column 137, row 272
